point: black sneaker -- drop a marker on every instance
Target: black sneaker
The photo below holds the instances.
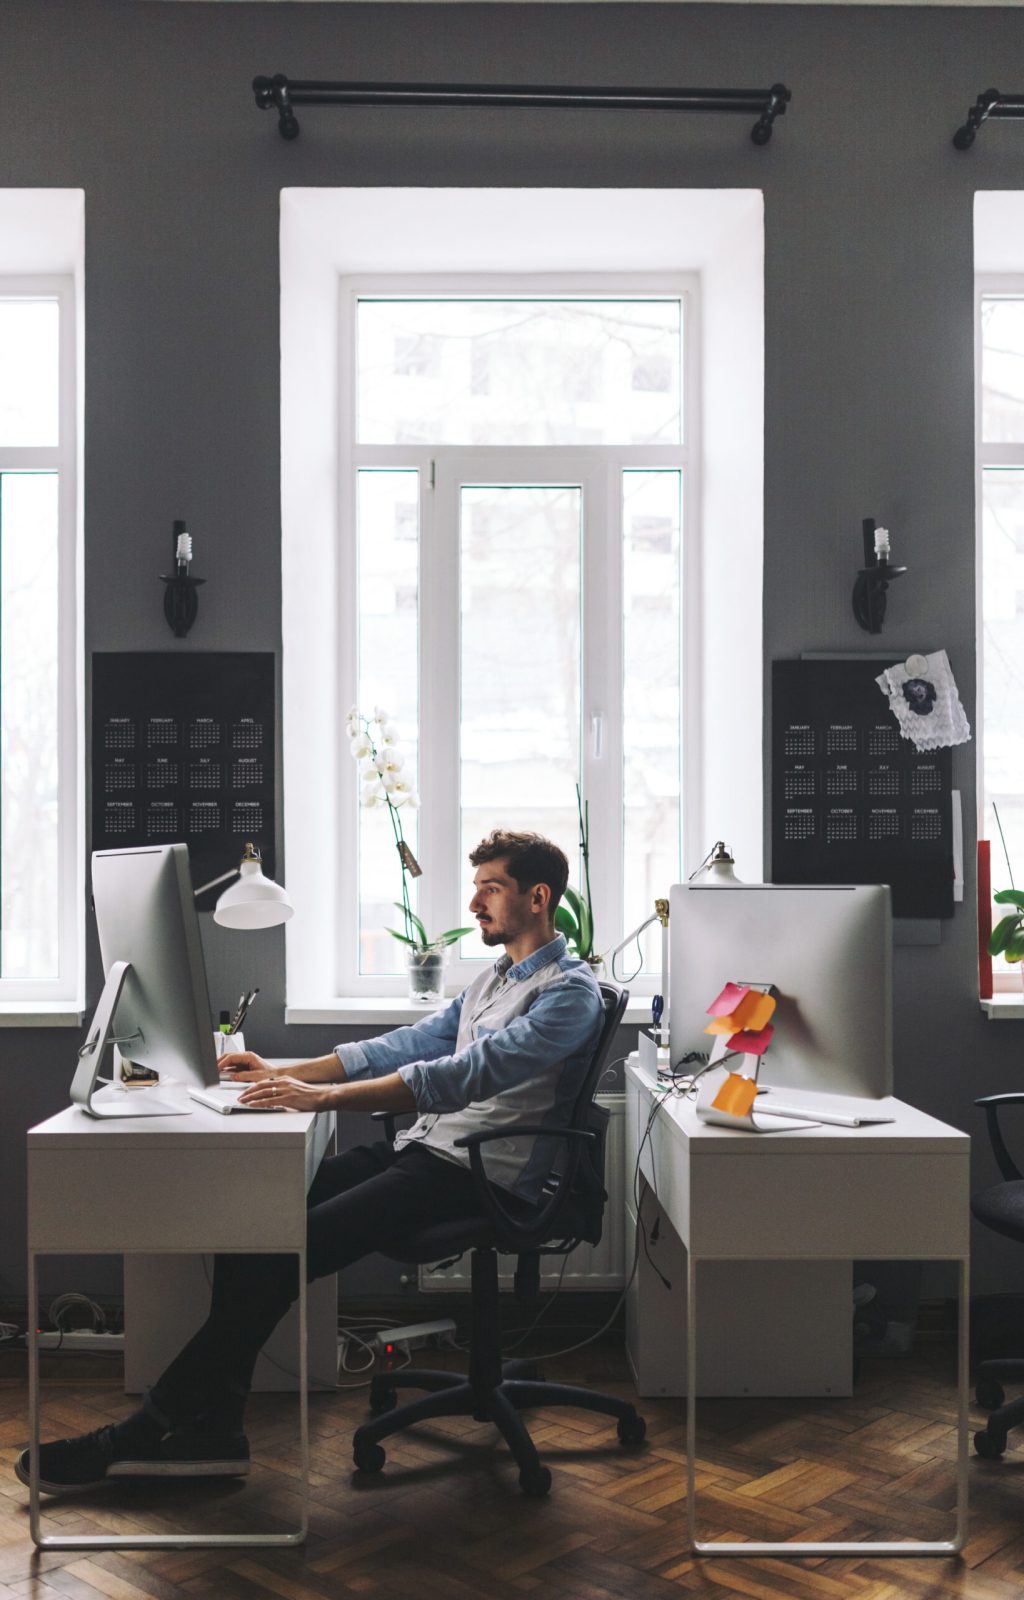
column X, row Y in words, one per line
column 185, row 1452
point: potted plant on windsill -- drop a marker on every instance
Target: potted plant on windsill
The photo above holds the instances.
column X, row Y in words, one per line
column 575, row 917
column 373, row 745
column 1007, row 938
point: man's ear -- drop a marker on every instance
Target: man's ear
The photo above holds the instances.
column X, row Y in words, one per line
column 540, row 898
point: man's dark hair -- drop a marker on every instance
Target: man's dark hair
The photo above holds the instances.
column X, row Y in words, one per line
column 531, row 859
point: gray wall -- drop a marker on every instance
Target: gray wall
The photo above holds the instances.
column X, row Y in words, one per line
column 868, row 403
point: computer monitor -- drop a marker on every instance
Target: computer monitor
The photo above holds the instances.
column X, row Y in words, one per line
column 828, row 951
column 155, row 1005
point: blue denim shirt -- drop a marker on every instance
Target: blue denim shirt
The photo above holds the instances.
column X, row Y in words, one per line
column 513, row 1048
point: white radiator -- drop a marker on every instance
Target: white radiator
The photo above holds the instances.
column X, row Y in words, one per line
column 600, row 1266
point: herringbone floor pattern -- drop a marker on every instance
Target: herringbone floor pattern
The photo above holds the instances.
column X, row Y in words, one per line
column 445, row 1520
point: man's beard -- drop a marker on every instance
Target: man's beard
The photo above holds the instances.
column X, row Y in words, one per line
column 489, row 935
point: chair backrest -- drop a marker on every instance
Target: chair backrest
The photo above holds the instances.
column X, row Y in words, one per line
column 578, row 1178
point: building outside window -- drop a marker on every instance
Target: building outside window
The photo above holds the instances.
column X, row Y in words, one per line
column 40, row 899
column 517, row 488
column 1000, row 480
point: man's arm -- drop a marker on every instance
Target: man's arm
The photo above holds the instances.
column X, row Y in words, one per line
column 389, row 1093
column 435, row 1036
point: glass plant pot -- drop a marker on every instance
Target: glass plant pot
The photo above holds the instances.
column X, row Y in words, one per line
column 426, row 974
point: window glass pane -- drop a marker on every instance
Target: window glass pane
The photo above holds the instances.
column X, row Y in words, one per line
column 520, row 666
column 28, row 725
column 1003, row 610
column 519, row 371
column 1002, row 370
column 29, row 372
column 387, row 508
column 651, row 563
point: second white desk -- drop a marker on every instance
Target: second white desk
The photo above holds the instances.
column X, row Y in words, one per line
column 893, row 1191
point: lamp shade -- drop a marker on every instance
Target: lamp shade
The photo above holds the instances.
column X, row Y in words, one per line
column 253, row 901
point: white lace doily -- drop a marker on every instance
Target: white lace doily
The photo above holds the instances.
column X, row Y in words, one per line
column 923, row 698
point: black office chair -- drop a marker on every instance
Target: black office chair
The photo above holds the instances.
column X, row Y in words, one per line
column 1000, row 1208
column 570, row 1212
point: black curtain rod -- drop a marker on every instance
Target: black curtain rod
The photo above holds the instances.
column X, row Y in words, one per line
column 286, row 94
column 989, row 104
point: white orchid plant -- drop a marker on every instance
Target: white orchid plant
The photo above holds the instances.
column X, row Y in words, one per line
column 373, row 744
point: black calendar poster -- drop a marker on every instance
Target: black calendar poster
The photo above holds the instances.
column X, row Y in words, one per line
column 183, row 750
column 852, row 800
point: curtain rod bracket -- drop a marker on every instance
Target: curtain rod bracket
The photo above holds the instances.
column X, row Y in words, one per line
column 285, row 94
column 989, row 104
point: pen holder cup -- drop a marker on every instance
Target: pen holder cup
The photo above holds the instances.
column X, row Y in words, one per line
column 226, row 1043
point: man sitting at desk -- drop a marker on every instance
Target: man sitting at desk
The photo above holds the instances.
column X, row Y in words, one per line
column 511, row 1050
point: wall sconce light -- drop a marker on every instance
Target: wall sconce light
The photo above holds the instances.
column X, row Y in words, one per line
column 181, row 597
column 254, row 901
column 874, row 577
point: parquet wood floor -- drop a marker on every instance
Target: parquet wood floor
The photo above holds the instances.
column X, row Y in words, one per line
column 446, row 1521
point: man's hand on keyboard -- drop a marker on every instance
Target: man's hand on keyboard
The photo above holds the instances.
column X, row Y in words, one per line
column 281, row 1093
column 245, row 1066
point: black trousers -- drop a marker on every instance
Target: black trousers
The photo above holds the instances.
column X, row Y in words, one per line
column 370, row 1198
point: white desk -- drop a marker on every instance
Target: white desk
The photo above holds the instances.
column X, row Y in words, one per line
column 894, row 1191
column 164, row 1185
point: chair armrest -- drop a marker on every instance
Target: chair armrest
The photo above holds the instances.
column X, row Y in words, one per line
column 990, row 1104
column 471, row 1141
column 516, row 1234
column 388, row 1119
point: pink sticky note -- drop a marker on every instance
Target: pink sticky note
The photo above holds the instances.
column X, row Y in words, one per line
column 728, row 1000
column 752, row 1044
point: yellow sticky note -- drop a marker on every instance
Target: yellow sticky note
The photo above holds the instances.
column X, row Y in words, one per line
column 736, row 1096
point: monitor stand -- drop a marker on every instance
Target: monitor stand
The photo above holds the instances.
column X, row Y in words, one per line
column 142, row 1103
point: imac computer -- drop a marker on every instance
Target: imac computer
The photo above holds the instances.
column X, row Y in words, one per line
column 827, row 950
column 155, row 1006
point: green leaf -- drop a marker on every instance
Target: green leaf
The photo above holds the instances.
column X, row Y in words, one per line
column 566, row 923
column 584, row 936
column 411, row 942
column 1010, row 897
column 451, row 936
column 414, row 919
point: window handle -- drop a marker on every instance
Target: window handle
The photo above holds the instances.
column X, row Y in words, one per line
column 597, row 737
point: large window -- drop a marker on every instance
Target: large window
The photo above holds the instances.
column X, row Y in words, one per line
column 39, row 902
column 517, row 490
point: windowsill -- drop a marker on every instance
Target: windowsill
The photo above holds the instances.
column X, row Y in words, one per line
column 39, row 1014
column 1003, row 1006
column 381, row 1010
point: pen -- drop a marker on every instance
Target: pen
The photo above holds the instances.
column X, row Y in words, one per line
column 244, row 1002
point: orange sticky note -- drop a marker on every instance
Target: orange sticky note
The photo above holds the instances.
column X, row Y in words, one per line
column 736, row 1096
column 725, row 1003
column 722, row 1024
column 752, row 1044
column 754, row 1010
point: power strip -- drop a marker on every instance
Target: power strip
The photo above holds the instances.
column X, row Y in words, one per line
column 413, row 1336
column 81, row 1339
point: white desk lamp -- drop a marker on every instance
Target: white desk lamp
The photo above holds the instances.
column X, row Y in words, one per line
column 716, row 868
column 254, row 901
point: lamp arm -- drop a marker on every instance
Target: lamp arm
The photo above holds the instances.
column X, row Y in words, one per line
column 233, row 873
column 609, row 955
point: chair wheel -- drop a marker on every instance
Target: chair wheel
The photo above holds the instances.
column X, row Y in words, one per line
column 989, row 1394
column 383, row 1399
column 368, row 1457
column 632, row 1430
column 989, row 1445
column 535, row 1482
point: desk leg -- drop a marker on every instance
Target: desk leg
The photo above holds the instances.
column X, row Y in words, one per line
column 162, row 1541
column 829, row 1547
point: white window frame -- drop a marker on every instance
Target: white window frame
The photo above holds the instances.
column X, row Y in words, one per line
column 598, row 469
column 59, row 999
column 989, row 286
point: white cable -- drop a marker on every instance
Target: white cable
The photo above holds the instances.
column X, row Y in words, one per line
column 66, row 1302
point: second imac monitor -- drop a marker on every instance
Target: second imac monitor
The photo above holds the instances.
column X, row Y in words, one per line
column 827, row 950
